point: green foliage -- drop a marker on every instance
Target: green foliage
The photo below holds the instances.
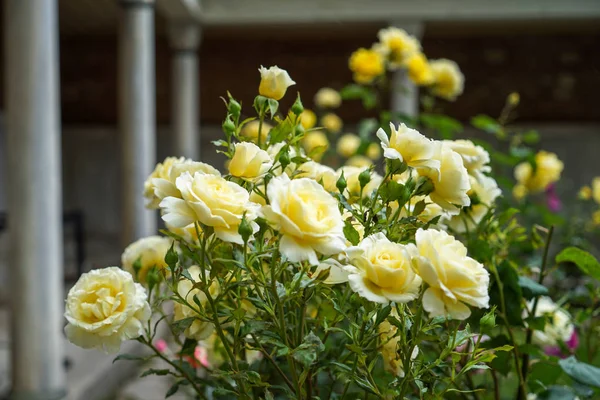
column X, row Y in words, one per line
column 586, row 262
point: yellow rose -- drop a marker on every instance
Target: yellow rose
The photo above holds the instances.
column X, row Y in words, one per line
column 161, row 183
column 323, row 174
column 455, row 280
column 366, row 65
column 351, row 175
column 150, row 251
column 199, row 329
column 430, row 211
column 307, row 217
column 585, row 193
column 408, row 145
column 328, row 98
column 451, row 183
column 381, row 270
column 486, row 189
column 557, row 329
column 332, row 122
column 475, row 158
column 596, row 189
column 389, row 338
column 337, row 273
column 105, row 308
column 374, row 151
column 519, row 191
column 315, row 143
column 308, row 119
column 213, row 201
column 249, row 162
column 418, row 68
column 448, row 82
column 547, row 171
column 398, row 45
column 274, row 82
column 188, row 233
column 274, row 150
column 359, row 161
column 348, row 144
column 250, row 130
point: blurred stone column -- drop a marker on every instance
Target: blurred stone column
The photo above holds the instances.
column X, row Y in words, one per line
column 184, row 37
column 137, row 118
column 405, row 94
column 34, row 199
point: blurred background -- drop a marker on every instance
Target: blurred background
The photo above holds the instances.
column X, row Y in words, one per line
column 546, row 50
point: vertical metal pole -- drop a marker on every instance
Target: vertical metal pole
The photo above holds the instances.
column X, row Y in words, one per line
column 405, row 94
column 34, row 201
column 137, row 106
column 185, row 39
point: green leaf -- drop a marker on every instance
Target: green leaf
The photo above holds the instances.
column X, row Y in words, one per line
column 383, row 314
column 273, row 106
column 128, row 357
column 581, row 372
column 486, row 124
column 280, row 132
column 512, row 293
column 189, row 346
column 586, row 262
column 182, row 324
column 152, row 371
column 352, row 92
column 543, row 374
column 351, row 233
column 557, row 393
column 531, row 288
column 307, row 352
column 172, row 390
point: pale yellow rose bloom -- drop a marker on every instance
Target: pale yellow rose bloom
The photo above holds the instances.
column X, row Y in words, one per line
column 323, row 174
column 418, row 69
column 389, row 338
column 188, row 233
column 585, row 193
column 161, row 183
column 487, row 192
column 306, row 216
column 359, row 161
column 351, row 175
column 431, row 210
column 451, row 183
column 381, row 270
column 548, row 170
column 274, row 82
column 558, row 328
column 315, row 144
column 596, row 189
column 328, row 98
column 105, row 308
column 199, row 329
column 249, row 162
column 337, row 272
column 398, row 45
column 348, row 144
column 410, row 146
column 308, row 119
column 150, row 251
column 448, row 81
column 332, row 122
column 212, row 201
column 475, row 158
column 374, row 151
column 455, row 280
column 366, row 64
column 250, row 130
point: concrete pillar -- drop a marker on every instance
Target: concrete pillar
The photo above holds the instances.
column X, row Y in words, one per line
column 137, row 107
column 34, row 199
column 185, row 38
column 405, row 94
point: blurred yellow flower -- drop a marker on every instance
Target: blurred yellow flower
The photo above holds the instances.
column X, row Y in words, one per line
column 323, row 174
column 519, row 191
column 513, row 99
column 332, row 122
column 596, row 189
column 348, row 144
column 328, row 98
column 585, row 193
column 359, row 161
column 315, row 143
column 596, row 218
column 398, row 45
column 366, row 65
column 374, row 151
column 448, row 80
column 419, row 70
column 308, row 119
column 250, row 130
column 547, row 171
column 274, row 82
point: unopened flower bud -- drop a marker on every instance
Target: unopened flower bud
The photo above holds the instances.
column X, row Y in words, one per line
column 341, row 183
column 245, row 229
column 364, row 178
column 297, row 108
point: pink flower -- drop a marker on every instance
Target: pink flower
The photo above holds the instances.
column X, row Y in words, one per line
column 571, row 344
column 161, row 345
column 552, row 200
